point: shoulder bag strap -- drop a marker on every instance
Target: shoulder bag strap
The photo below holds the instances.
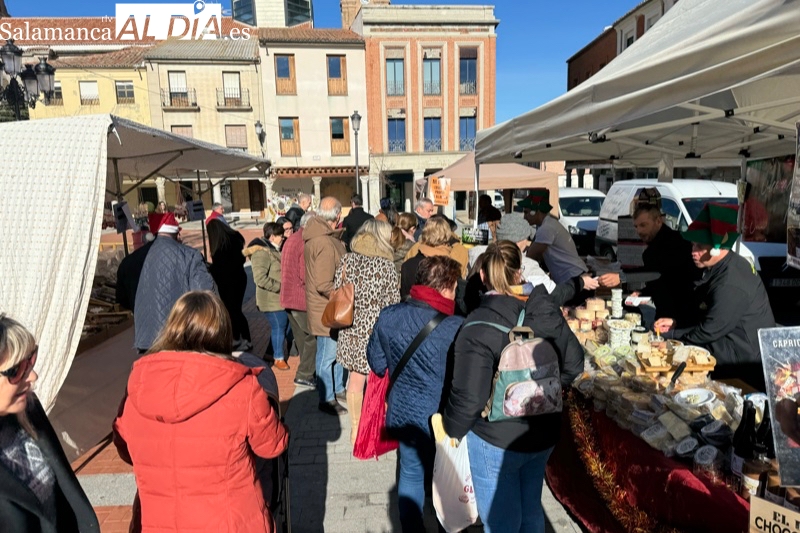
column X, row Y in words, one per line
column 421, row 336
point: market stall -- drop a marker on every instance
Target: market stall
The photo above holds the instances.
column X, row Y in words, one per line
column 56, row 177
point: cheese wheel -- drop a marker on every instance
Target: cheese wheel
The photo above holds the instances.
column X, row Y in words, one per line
column 595, row 304
column 583, row 314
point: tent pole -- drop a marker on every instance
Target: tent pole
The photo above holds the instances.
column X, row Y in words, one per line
column 741, row 189
column 202, row 222
column 477, row 180
column 119, row 199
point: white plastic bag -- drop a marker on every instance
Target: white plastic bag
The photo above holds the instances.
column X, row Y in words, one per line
column 453, row 494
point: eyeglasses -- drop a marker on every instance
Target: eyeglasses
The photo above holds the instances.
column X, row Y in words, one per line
column 20, row 371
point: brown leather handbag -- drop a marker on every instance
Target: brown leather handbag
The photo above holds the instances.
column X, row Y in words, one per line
column 338, row 313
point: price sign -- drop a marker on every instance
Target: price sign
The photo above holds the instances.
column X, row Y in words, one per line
column 439, row 190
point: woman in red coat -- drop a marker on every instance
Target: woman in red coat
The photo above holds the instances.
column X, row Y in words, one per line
column 192, row 422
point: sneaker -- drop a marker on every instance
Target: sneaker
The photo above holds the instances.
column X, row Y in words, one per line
column 333, row 408
column 306, row 383
column 280, row 364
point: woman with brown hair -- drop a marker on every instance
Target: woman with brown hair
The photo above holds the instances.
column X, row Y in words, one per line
column 437, row 238
column 507, row 457
column 369, row 268
column 192, row 422
column 403, row 237
column 38, row 491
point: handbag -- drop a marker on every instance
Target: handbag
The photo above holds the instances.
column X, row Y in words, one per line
column 372, row 439
column 338, row 312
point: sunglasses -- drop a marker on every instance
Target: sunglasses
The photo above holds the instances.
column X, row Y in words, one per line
column 18, row 372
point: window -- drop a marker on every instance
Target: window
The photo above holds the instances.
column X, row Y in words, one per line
column 650, row 21
column 581, row 206
column 337, row 75
column 431, row 74
column 231, row 93
column 124, row 92
column 628, row 39
column 58, row 95
column 433, row 134
column 179, row 94
column 186, row 131
column 243, row 11
column 285, row 75
column 340, row 136
column 468, row 71
column 89, row 93
column 672, row 213
column 466, row 134
column 397, row 135
column 236, row 137
column 395, row 80
column 290, row 136
column 298, row 12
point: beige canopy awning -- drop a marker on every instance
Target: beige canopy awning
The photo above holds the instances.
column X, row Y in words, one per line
column 497, row 176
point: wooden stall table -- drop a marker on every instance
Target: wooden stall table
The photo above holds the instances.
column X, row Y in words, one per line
column 613, row 481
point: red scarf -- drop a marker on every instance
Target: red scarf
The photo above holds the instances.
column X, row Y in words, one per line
column 431, row 296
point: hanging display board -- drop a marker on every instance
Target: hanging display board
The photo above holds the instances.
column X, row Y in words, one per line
column 440, row 190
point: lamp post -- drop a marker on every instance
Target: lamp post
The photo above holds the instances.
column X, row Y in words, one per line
column 261, row 136
column 355, row 121
column 35, row 80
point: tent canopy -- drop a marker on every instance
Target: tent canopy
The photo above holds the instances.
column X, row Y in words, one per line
column 497, row 176
column 55, row 176
column 712, row 79
column 142, row 152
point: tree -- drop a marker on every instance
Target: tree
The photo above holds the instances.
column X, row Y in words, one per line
column 3, row 10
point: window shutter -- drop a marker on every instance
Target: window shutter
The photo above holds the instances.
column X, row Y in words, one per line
column 236, row 136
column 186, row 131
column 230, row 83
column 177, row 82
column 88, row 90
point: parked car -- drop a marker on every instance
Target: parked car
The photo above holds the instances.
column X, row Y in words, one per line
column 499, row 201
column 578, row 210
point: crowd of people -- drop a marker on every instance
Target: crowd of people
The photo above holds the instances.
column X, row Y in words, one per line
column 200, row 411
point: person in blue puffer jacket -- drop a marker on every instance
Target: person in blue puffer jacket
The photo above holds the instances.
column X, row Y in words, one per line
column 417, row 393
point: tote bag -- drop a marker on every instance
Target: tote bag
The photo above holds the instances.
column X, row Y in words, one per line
column 372, row 440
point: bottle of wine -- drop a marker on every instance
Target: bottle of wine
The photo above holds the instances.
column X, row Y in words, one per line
column 764, row 435
column 744, row 439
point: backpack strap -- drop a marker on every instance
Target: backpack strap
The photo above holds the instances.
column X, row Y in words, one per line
column 504, row 329
column 421, row 336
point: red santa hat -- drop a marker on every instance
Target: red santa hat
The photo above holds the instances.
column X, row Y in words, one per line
column 163, row 223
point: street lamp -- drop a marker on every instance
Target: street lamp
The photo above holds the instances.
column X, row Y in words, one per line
column 355, row 121
column 35, row 80
column 261, row 135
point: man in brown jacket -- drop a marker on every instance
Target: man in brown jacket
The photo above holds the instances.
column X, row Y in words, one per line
column 323, row 249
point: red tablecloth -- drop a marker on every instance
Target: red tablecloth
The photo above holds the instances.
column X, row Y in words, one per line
column 664, row 488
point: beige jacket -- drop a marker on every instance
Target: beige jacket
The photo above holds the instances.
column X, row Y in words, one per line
column 457, row 251
column 323, row 250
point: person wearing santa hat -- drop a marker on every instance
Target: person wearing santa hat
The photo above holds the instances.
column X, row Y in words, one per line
column 732, row 299
column 170, row 270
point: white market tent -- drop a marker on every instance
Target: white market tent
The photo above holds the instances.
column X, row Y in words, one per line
column 496, row 176
column 713, row 79
column 55, row 179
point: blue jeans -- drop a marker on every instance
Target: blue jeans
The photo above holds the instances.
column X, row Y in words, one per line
column 330, row 374
column 278, row 324
column 416, row 468
column 508, row 486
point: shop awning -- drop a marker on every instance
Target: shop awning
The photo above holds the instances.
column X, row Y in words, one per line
column 55, row 176
column 712, row 79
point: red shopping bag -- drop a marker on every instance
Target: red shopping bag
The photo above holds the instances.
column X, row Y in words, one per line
column 372, row 440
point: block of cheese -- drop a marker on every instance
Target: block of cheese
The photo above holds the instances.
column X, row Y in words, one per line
column 574, row 324
column 595, row 304
column 586, row 325
column 676, row 427
column 582, row 313
column 601, row 314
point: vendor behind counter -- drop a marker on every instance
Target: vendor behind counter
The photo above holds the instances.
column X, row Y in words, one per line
column 733, row 301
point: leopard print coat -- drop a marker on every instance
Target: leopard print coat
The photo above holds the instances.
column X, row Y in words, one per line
column 377, row 285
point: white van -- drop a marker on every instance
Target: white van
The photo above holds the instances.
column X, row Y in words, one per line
column 579, row 209
column 681, row 201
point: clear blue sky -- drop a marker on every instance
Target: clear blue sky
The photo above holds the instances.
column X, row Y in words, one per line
column 534, row 39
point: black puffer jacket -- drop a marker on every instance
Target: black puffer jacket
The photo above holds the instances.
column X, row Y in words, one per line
column 477, row 353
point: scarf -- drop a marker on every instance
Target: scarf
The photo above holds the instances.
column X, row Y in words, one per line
column 431, row 296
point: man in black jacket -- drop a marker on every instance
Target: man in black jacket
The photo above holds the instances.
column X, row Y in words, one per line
column 354, row 220
column 670, row 256
column 734, row 302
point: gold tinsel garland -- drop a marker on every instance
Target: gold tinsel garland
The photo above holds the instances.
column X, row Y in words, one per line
column 632, row 519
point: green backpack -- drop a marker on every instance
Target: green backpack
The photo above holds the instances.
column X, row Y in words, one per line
column 528, row 380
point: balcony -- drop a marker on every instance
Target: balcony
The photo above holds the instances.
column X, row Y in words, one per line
column 126, row 100
column 432, row 88
column 395, row 88
column 90, row 101
column 233, row 98
column 183, row 99
column 468, row 87
column 397, row 146
column 433, row 145
column 55, row 100
column 467, row 144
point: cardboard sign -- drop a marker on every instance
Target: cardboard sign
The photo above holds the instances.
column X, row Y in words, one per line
column 195, row 210
column 793, row 214
column 123, row 218
column 439, row 188
column 780, row 354
column 768, row 517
